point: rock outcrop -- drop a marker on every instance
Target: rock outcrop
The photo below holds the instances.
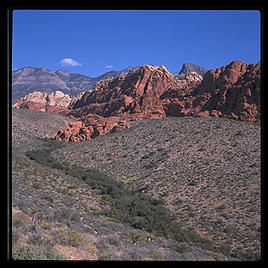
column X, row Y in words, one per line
column 113, row 101
column 90, row 127
column 54, row 102
column 137, row 92
column 232, row 91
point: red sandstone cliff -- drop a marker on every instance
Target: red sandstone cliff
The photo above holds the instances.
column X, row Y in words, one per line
column 231, row 91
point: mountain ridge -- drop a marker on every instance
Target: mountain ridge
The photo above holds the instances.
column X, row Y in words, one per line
column 231, row 91
column 29, row 79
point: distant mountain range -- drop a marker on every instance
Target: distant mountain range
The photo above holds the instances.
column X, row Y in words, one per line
column 30, row 79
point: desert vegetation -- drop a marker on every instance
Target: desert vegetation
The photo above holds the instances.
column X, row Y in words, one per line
column 206, row 170
column 137, row 194
column 129, row 207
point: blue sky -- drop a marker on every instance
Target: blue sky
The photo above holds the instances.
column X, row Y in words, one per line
column 93, row 42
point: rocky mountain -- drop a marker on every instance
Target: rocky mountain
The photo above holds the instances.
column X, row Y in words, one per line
column 188, row 80
column 183, row 187
column 29, row 79
column 232, row 91
column 190, row 67
column 114, row 73
column 113, row 101
column 54, row 102
column 137, row 92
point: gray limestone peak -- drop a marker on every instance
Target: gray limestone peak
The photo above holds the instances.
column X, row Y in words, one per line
column 190, row 67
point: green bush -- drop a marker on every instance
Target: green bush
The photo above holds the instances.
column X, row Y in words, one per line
column 134, row 209
column 248, row 256
column 193, row 183
column 229, row 229
column 224, row 249
column 135, row 236
column 70, row 237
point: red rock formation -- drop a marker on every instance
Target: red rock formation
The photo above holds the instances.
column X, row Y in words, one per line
column 232, row 90
column 90, row 127
column 151, row 92
column 133, row 96
column 138, row 91
column 56, row 102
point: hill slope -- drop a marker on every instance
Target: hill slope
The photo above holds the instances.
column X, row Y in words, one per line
column 74, row 222
column 207, row 170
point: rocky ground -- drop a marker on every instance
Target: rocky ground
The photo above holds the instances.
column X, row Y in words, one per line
column 207, row 171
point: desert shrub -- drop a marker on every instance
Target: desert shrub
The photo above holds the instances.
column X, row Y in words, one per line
column 247, row 256
column 75, row 238
column 181, row 248
column 29, row 252
column 224, row 249
column 192, row 183
column 157, row 255
column 69, row 237
column 15, row 236
column 132, row 208
column 54, row 144
column 33, row 252
column 19, row 220
column 229, row 229
column 66, row 215
column 36, row 237
column 92, row 248
column 50, row 199
column 41, row 157
column 218, row 257
column 47, row 225
column 135, row 236
column 140, row 211
column 221, row 207
column 114, row 240
column 148, row 155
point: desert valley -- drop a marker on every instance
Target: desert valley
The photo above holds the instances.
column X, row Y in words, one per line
column 137, row 164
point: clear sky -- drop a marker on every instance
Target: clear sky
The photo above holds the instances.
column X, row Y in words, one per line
column 93, row 42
